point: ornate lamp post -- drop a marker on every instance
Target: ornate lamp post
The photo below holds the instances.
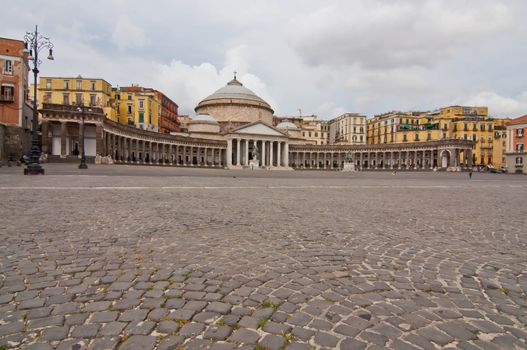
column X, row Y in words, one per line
column 34, row 43
column 83, row 165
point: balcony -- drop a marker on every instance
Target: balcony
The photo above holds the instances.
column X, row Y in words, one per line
column 7, row 98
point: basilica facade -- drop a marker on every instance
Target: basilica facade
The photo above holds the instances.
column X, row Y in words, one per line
column 233, row 129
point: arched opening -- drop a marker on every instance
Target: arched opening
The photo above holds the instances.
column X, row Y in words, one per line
column 445, row 158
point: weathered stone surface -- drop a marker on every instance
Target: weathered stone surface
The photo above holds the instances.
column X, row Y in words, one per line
column 418, row 273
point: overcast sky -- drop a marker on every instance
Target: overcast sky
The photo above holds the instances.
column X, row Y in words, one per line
column 323, row 57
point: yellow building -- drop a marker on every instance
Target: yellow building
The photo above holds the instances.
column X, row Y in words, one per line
column 348, row 129
column 77, row 91
column 137, row 106
column 315, row 130
column 395, row 127
column 452, row 122
column 499, row 144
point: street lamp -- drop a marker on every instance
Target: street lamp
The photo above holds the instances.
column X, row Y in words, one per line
column 33, row 43
column 83, row 165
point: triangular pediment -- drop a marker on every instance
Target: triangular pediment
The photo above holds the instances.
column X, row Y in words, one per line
column 258, row 128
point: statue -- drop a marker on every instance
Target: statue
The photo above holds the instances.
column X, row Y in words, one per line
column 255, row 152
column 349, row 157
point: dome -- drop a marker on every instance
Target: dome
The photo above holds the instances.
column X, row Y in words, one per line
column 204, row 118
column 234, row 90
column 286, row 125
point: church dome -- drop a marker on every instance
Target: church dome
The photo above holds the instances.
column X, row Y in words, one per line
column 286, row 125
column 234, row 105
column 204, row 118
column 234, row 90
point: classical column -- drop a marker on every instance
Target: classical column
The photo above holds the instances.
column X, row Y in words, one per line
column 271, row 146
column 237, row 160
column 143, row 153
column 246, row 152
column 286, row 154
column 431, row 159
column 399, row 161
column 62, row 139
column 278, row 154
column 229, row 153
column 263, row 153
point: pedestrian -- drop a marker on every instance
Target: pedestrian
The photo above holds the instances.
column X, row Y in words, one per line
column 470, row 174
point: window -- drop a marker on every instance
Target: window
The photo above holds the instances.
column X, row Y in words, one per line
column 416, row 136
column 66, row 84
column 129, row 97
column 465, row 127
column 8, row 67
column 474, row 137
column 519, row 160
column 79, row 85
column 7, row 93
column 316, row 134
column 310, row 134
column 117, row 97
column 78, row 99
column 405, row 138
column 444, row 135
column 93, row 100
column 48, row 84
column 141, row 117
column 47, row 97
column 465, row 137
column 92, row 85
column 361, row 138
column 66, row 99
column 519, row 147
column 429, row 136
column 519, row 132
column 129, row 109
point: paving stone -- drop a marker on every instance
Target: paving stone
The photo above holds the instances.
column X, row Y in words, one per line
column 39, row 346
column 170, row 343
column 217, row 333
column 352, row 344
column 105, row 343
column 55, row 333
column 139, row 342
column 218, row 307
column 191, row 329
column 112, row 328
column 104, row 316
column 272, row 342
column 133, row 315
column 167, row 327
column 85, row 331
column 140, row 327
column 325, row 339
column 244, row 336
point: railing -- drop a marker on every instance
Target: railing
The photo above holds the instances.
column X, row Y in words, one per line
column 7, row 98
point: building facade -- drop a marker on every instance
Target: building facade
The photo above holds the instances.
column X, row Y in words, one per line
column 168, row 120
column 349, row 128
column 77, row 91
column 315, row 131
column 516, row 153
column 16, row 112
column 137, row 106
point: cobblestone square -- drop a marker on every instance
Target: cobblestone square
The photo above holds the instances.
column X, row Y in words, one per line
column 129, row 257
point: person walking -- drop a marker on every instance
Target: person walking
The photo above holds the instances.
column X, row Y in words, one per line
column 470, row 174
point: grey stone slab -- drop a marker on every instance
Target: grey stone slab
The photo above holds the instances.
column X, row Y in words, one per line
column 55, row 333
column 244, row 336
column 139, row 342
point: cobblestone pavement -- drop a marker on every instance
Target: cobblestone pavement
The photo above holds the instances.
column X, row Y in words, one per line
column 193, row 259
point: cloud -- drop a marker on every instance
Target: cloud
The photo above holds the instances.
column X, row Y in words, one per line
column 127, row 35
column 390, row 34
column 188, row 84
column 500, row 106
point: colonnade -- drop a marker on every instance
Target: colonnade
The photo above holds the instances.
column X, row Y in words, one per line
column 270, row 153
column 418, row 159
column 129, row 150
